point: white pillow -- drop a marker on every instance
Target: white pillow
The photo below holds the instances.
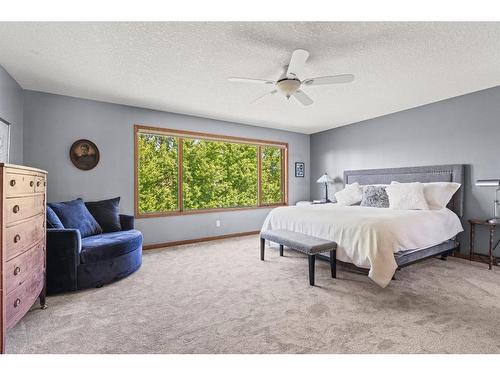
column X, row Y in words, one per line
column 438, row 194
column 350, row 195
column 408, row 196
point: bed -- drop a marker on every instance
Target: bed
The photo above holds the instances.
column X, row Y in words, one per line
column 380, row 239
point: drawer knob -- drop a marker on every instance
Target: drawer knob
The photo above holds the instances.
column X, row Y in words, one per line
column 17, row 302
column 16, row 209
column 17, row 238
column 32, row 183
column 17, row 271
column 37, row 183
column 12, row 182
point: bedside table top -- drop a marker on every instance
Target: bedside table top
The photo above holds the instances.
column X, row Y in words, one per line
column 482, row 222
column 310, row 203
column 303, row 203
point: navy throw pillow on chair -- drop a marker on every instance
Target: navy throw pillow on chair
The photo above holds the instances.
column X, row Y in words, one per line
column 107, row 214
column 75, row 215
column 52, row 220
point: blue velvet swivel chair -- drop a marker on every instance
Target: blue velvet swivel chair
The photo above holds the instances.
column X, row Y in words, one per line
column 76, row 261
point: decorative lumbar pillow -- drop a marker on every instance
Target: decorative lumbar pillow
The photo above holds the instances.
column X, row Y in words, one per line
column 75, row 215
column 107, row 214
column 350, row 195
column 375, row 196
column 53, row 220
column 408, row 196
column 439, row 194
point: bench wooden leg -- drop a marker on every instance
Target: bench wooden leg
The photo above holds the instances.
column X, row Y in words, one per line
column 312, row 259
column 262, row 248
column 281, row 250
column 333, row 263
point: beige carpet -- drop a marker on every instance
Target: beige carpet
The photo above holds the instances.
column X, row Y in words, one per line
column 218, row 297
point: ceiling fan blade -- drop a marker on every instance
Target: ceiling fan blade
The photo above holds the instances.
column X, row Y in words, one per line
column 262, row 96
column 302, row 97
column 329, row 80
column 297, row 61
column 251, row 80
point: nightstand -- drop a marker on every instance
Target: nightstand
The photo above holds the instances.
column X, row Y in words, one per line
column 310, row 203
column 491, row 259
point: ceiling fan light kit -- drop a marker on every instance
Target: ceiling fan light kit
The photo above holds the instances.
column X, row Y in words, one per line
column 288, row 87
column 289, row 83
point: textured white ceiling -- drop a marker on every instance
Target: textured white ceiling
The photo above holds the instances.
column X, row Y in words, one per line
column 183, row 67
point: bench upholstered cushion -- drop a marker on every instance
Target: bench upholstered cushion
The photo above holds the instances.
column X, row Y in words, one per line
column 298, row 241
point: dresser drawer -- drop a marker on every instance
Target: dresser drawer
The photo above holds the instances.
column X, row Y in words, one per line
column 20, row 267
column 23, row 208
column 40, row 184
column 19, row 184
column 22, row 236
column 20, row 300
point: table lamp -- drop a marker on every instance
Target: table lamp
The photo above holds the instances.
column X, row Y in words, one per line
column 325, row 179
column 492, row 183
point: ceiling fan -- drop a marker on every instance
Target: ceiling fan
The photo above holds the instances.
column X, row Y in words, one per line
column 289, row 83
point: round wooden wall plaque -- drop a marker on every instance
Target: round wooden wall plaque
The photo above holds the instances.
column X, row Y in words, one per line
column 84, row 154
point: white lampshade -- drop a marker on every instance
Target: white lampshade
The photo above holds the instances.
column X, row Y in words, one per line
column 325, row 179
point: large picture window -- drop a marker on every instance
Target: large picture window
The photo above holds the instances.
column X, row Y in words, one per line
column 180, row 172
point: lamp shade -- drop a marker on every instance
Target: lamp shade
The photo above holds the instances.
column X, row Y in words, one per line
column 325, row 179
column 489, row 183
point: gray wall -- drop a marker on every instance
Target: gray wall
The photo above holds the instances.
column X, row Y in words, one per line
column 462, row 130
column 11, row 109
column 52, row 123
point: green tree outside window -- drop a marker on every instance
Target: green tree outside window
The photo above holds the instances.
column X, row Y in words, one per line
column 158, row 177
column 215, row 174
column 271, row 175
column 219, row 174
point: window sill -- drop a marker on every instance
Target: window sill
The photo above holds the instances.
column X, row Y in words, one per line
column 205, row 211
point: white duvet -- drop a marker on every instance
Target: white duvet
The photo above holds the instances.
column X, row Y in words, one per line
column 368, row 237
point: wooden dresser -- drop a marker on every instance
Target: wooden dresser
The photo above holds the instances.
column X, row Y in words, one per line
column 22, row 250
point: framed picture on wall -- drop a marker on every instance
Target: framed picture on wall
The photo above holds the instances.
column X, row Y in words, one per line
column 84, row 154
column 300, row 169
column 4, row 140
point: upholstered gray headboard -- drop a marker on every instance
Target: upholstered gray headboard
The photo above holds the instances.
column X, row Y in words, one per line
column 432, row 173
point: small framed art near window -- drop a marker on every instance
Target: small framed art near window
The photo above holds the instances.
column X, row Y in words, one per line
column 300, row 169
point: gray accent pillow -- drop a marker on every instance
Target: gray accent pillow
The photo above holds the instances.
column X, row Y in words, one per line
column 374, row 196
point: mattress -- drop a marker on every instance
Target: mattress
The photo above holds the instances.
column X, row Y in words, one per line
column 369, row 237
